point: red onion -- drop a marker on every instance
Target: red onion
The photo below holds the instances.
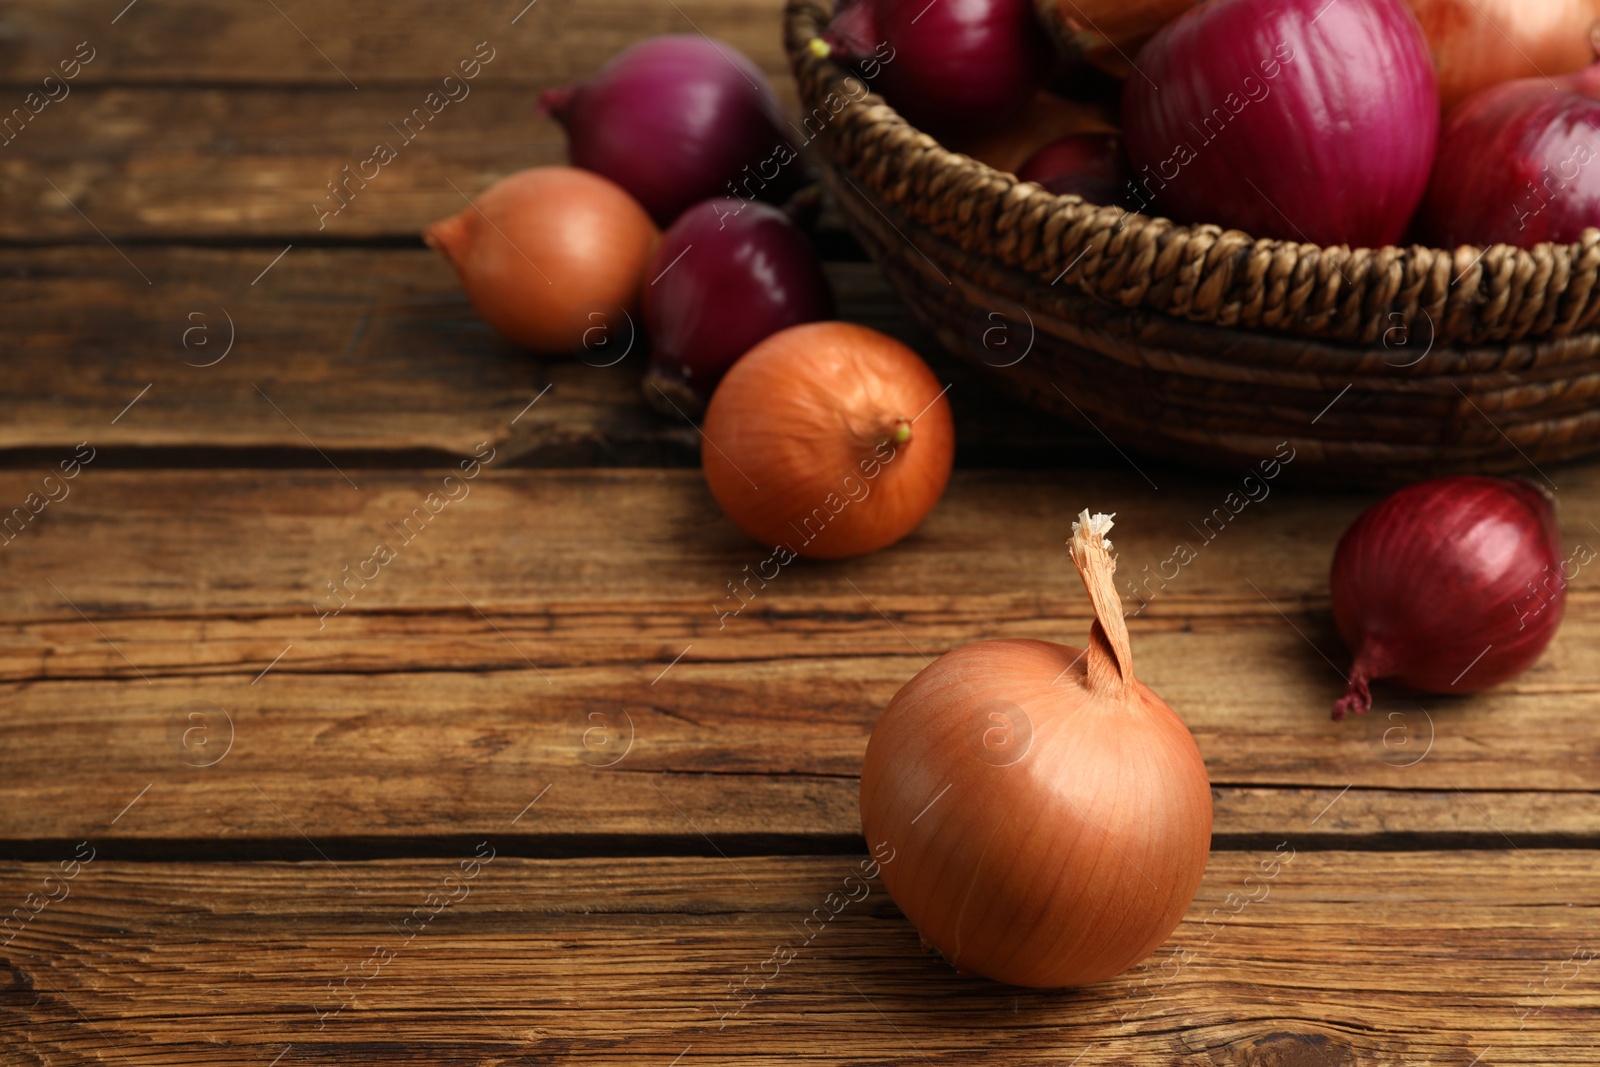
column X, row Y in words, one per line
column 1517, row 164
column 1089, row 165
column 725, row 276
column 1448, row 586
column 675, row 120
column 1297, row 119
column 948, row 66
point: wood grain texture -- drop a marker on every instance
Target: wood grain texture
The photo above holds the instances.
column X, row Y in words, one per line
column 375, row 43
column 549, row 665
column 481, row 655
column 374, row 357
column 187, row 163
column 1339, row 958
column 197, row 121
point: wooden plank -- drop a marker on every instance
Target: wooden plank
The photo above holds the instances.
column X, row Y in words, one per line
column 197, row 163
column 1338, row 958
column 522, row 543
column 748, row 752
column 373, row 357
column 187, row 161
column 207, row 163
column 479, row 655
column 371, row 42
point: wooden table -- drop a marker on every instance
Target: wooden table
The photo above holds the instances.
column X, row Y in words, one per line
column 523, row 799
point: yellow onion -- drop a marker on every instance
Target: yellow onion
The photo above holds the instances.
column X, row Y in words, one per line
column 1108, row 32
column 1047, row 118
column 829, row 440
column 1050, row 816
column 1479, row 43
column 546, row 253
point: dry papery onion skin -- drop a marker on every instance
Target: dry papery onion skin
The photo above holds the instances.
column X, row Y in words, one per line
column 830, row 439
column 548, row 253
column 1050, row 814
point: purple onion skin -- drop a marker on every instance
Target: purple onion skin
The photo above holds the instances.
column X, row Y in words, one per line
column 727, row 275
column 1090, row 165
column 1519, row 164
column 1329, row 118
column 675, row 120
column 1448, row 586
column 949, row 67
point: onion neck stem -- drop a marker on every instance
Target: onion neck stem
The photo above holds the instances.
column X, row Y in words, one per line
column 851, row 36
column 897, row 432
column 1109, row 657
column 557, row 102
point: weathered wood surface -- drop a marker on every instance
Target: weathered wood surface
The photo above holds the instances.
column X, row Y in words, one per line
column 188, row 163
column 1484, row 954
column 480, row 654
column 548, row 665
column 299, row 43
column 193, row 120
column 374, row 357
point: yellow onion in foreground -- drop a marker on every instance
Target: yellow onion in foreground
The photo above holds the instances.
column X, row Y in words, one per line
column 1050, row 816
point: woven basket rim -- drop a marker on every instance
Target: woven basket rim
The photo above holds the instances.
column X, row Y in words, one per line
column 1199, row 272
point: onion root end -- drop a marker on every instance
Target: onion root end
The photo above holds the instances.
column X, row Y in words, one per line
column 1357, row 697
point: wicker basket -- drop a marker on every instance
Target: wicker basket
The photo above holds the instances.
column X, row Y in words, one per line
column 1206, row 345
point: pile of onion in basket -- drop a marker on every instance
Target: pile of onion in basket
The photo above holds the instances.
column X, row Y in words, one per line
column 1301, row 120
column 1078, row 821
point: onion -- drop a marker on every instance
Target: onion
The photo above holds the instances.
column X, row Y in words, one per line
column 1109, row 32
column 1516, row 165
column 726, row 275
column 1075, row 78
column 676, row 120
column 1050, row 815
column 1047, row 118
column 1090, row 165
column 1448, row 586
column 1479, row 43
column 828, row 439
column 1295, row 119
column 948, row 66
column 544, row 250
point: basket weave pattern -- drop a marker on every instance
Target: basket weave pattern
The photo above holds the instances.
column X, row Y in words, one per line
column 1205, row 342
